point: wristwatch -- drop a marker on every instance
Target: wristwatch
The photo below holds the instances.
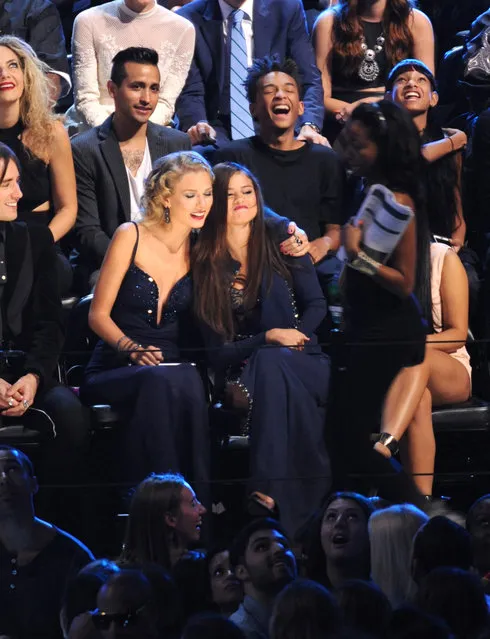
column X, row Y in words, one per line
column 312, row 125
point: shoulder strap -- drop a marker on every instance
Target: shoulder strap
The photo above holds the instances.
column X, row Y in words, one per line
column 135, row 247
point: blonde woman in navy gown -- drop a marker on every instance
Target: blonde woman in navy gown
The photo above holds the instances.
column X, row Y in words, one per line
column 142, row 310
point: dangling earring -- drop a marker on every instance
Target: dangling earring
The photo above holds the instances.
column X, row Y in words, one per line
column 166, row 214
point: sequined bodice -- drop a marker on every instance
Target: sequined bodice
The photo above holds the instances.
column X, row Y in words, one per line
column 136, row 307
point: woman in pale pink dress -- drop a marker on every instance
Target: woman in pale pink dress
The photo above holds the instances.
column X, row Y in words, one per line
column 446, row 365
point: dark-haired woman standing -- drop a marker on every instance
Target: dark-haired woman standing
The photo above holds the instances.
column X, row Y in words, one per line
column 259, row 311
column 357, row 43
column 383, row 318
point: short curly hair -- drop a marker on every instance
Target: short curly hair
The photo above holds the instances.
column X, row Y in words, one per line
column 270, row 64
column 167, row 171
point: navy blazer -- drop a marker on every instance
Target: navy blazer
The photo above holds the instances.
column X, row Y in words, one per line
column 279, row 26
column 300, row 305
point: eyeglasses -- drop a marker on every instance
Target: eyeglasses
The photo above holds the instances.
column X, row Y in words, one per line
column 103, row 620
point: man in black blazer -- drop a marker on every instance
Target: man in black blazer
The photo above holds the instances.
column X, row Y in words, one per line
column 113, row 159
column 31, row 336
column 271, row 27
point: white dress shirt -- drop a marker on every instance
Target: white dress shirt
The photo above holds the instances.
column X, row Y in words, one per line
column 247, row 24
column 137, row 184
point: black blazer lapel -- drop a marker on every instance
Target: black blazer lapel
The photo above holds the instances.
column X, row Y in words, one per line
column 20, row 274
column 212, row 32
column 157, row 142
column 109, row 147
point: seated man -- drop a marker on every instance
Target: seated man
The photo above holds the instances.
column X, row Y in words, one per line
column 31, row 335
column 229, row 35
column 38, row 23
column 100, row 32
column 36, row 559
column 113, row 160
column 263, row 561
column 299, row 180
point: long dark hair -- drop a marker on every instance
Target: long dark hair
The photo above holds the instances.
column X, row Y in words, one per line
column 401, row 167
column 147, row 536
column 443, row 183
column 348, row 32
column 212, row 263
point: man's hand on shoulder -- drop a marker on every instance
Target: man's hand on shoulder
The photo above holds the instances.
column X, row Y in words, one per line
column 308, row 133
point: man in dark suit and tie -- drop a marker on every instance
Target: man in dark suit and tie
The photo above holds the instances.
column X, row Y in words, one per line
column 113, row 160
column 229, row 35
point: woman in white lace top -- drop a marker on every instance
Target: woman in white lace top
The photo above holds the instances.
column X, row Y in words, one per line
column 100, row 32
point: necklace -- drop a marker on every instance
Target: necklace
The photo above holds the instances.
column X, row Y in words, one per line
column 369, row 69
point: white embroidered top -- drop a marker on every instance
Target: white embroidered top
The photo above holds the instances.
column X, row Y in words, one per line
column 100, row 32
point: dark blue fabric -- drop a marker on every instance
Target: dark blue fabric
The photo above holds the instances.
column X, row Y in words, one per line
column 288, row 389
column 279, row 26
column 165, row 405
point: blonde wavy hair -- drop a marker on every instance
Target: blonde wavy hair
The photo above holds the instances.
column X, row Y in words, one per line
column 160, row 184
column 36, row 104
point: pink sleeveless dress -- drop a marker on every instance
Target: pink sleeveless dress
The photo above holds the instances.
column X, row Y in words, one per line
column 438, row 253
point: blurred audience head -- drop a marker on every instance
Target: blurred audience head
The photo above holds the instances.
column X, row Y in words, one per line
column 305, row 610
column 457, row 596
column 164, row 198
column 339, row 537
column 391, row 534
column 478, row 527
column 365, row 608
column 81, row 592
column 226, row 589
column 262, row 558
column 440, row 542
column 190, row 574
column 165, row 518
column 18, row 483
column 211, row 626
column 138, row 602
column 408, row 622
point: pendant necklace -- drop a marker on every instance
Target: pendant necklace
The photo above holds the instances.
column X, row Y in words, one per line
column 369, row 69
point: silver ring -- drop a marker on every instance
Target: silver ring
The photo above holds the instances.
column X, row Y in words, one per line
column 11, row 402
column 298, row 240
column 26, row 404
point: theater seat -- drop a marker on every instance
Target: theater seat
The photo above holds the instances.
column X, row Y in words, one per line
column 104, row 417
column 473, row 415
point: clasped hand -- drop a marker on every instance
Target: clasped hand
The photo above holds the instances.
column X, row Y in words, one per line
column 16, row 398
column 287, row 337
column 146, row 356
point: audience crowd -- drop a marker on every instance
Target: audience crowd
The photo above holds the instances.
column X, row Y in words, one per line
column 183, row 187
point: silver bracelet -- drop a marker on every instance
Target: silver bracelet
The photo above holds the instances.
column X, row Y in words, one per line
column 365, row 264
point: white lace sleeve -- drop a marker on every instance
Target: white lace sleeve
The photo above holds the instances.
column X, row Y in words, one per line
column 84, row 60
column 180, row 58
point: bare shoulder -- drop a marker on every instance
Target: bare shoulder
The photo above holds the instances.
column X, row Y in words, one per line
column 59, row 134
column 452, row 264
column 419, row 20
column 325, row 20
column 404, row 199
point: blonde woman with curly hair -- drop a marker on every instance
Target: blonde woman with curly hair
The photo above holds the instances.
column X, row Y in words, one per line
column 30, row 127
column 141, row 311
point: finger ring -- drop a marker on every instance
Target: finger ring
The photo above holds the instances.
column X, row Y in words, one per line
column 11, row 402
column 298, row 240
column 26, row 404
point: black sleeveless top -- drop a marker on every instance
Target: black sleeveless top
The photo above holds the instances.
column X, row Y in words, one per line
column 343, row 83
column 34, row 175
